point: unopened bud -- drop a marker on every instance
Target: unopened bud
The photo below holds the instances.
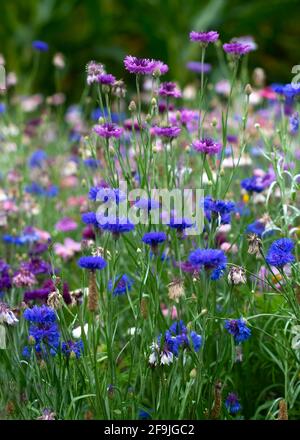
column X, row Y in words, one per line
column 248, row 89
column 132, row 107
column 193, row 373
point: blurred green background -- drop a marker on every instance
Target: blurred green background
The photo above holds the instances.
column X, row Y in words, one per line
column 107, row 30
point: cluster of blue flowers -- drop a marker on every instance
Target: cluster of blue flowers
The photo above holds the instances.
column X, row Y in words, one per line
column 216, row 208
column 177, row 337
column 43, row 331
column 121, row 286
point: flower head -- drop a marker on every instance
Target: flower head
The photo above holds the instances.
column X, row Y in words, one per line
column 204, row 37
column 92, row 263
column 280, row 252
column 72, row 349
column 108, row 130
column 93, row 69
column 237, row 49
column 232, row 403
column 106, row 79
column 169, row 132
column 7, row 316
column 140, row 66
column 40, row 46
column 154, row 238
column 121, row 286
column 210, row 259
column 207, row 146
column 238, row 328
column 169, row 89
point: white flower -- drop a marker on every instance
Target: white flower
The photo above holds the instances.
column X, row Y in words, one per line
column 296, row 339
column 166, row 358
column 7, row 315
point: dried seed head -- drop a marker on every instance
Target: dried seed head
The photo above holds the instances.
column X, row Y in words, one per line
column 55, row 300
column 119, row 89
column 283, row 412
column 132, row 107
column 255, row 244
column 176, row 290
column 237, row 275
column 93, row 293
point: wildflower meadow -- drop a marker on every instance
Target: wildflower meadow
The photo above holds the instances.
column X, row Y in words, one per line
column 149, row 237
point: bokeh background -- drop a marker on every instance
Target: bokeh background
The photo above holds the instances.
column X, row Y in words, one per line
column 107, row 30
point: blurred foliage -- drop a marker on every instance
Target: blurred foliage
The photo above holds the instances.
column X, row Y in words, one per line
column 107, row 30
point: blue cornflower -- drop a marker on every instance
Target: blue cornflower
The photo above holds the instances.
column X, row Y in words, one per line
column 92, row 163
column 294, row 122
column 2, row 107
column 37, row 159
column 144, row 415
column 154, row 238
column 256, row 228
column 43, row 331
column 89, row 218
column 107, row 195
column 35, row 188
column 72, row 348
column 238, row 328
column 280, row 252
column 214, row 259
column 196, row 340
column 222, row 208
column 121, row 286
column 116, row 226
column 40, row 46
column 253, row 184
column 232, row 403
column 92, row 263
column 180, row 224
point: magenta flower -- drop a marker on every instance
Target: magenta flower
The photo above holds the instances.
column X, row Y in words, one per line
column 169, row 89
column 237, row 49
column 170, row 132
column 207, row 146
column 204, row 37
column 162, row 67
column 66, row 224
column 141, row 66
column 108, row 130
column 106, row 79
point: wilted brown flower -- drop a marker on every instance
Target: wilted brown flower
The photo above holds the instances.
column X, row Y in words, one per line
column 283, row 412
column 237, row 275
column 176, row 289
column 93, row 292
column 255, row 244
column 216, row 409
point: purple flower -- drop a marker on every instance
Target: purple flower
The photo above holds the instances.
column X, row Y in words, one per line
column 92, row 263
column 106, row 79
column 237, row 49
column 108, row 130
column 204, row 37
column 257, row 183
column 169, row 89
column 40, row 46
column 139, row 66
column 198, row 67
column 207, row 146
column 170, row 132
column 162, row 67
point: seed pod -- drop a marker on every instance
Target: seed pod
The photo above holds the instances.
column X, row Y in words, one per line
column 144, row 307
column 93, row 293
column 216, row 409
column 283, row 412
